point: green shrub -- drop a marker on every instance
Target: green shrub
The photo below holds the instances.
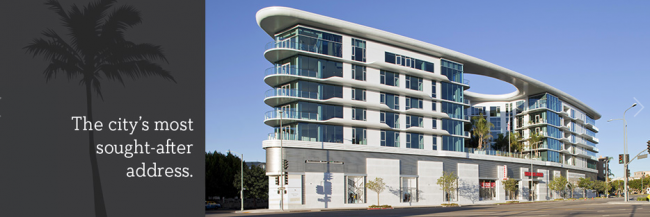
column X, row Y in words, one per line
column 641, row 199
column 449, row 204
column 512, row 201
column 382, row 206
column 559, row 199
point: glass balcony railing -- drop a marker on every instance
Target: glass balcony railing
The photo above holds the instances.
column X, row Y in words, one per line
column 308, row 44
column 495, row 153
column 538, row 104
column 291, row 70
column 292, row 114
column 466, row 101
column 292, row 93
column 286, row 136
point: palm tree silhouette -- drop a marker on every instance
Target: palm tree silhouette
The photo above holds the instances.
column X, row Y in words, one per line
column 97, row 50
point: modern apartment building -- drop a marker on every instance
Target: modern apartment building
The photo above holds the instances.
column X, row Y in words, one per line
column 350, row 103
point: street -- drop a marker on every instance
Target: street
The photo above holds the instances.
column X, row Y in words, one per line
column 598, row 207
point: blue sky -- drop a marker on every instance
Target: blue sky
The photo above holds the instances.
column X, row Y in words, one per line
column 593, row 50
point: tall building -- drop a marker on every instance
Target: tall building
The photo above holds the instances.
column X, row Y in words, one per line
column 350, row 103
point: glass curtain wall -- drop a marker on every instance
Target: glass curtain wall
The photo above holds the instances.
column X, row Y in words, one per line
column 408, row 62
column 453, row 71
column 452, row 92
column 452, row 109
column 312, row 132
column 309, row 67
column 310, row 40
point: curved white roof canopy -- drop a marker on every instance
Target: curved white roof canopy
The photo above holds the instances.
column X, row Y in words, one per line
column 275, row 19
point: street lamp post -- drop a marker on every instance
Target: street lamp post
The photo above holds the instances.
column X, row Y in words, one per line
column 241, row 181
column 281, row 166
column 625, row 149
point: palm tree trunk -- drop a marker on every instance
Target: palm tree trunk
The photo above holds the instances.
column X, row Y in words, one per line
column 100, row 209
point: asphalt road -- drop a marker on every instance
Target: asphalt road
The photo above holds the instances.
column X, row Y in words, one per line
column 598, row 207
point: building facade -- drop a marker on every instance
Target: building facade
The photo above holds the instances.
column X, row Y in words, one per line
column 350, row 103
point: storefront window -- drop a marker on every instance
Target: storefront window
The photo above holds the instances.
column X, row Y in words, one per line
column 487, row 189
column 356, row 189
column 409, row 190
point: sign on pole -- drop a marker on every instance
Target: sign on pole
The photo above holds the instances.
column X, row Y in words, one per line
column 643, row 156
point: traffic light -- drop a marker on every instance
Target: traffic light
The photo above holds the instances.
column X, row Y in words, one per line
column 628, row 173
column 286, row 178
column 286, row 164
column 648, row 146
column 620, row 159
column 627, row 158
column 277, row 180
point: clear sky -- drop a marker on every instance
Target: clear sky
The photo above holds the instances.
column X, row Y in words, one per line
column 595, row 51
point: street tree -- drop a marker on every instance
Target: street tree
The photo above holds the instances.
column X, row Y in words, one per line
column 585, row 184
column 558, row 184
column 448, row 183
column 378, row 186
column 510, row 185
column 571, row 187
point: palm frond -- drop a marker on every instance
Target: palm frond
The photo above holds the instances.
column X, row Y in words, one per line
column 134, row 70
column 56, row 7
column 118, row 21
column 128, row 51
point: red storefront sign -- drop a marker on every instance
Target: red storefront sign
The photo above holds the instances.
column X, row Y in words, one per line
column 534, row 174
column 505, row 172
column 488, row 184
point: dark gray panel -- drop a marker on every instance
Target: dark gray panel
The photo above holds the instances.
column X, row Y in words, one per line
column 355, row 162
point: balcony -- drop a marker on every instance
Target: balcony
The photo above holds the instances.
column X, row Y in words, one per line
column 272, row 118
column 276, row 51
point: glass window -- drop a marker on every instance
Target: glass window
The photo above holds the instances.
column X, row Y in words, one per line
column 391, row 100
column 356, row 189
column 433, row 106
column 390, row 118
column 408, row 62
column 358, row 50
column 434, row 123
column 414, row 140
column 453, row 110
column 309, row 67
column 497, row 124
column 358, row 72
column 389, row 78
column 453, row 71
column 359, row 136
column 495, row 111
column 435, row 142
column 358, row 114
column 409, row 189
column 358, row 94
column 450, row 143
column 452, row 92
column 310, row 40
column 433, row 89
column 389, row 138
column 487, row 189
column 414, row 121
column 413, row 103
column 413, row 83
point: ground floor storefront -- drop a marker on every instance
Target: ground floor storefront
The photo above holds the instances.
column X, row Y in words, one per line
column 338, row 179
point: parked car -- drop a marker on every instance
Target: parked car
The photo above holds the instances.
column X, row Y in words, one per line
column 212, row 205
